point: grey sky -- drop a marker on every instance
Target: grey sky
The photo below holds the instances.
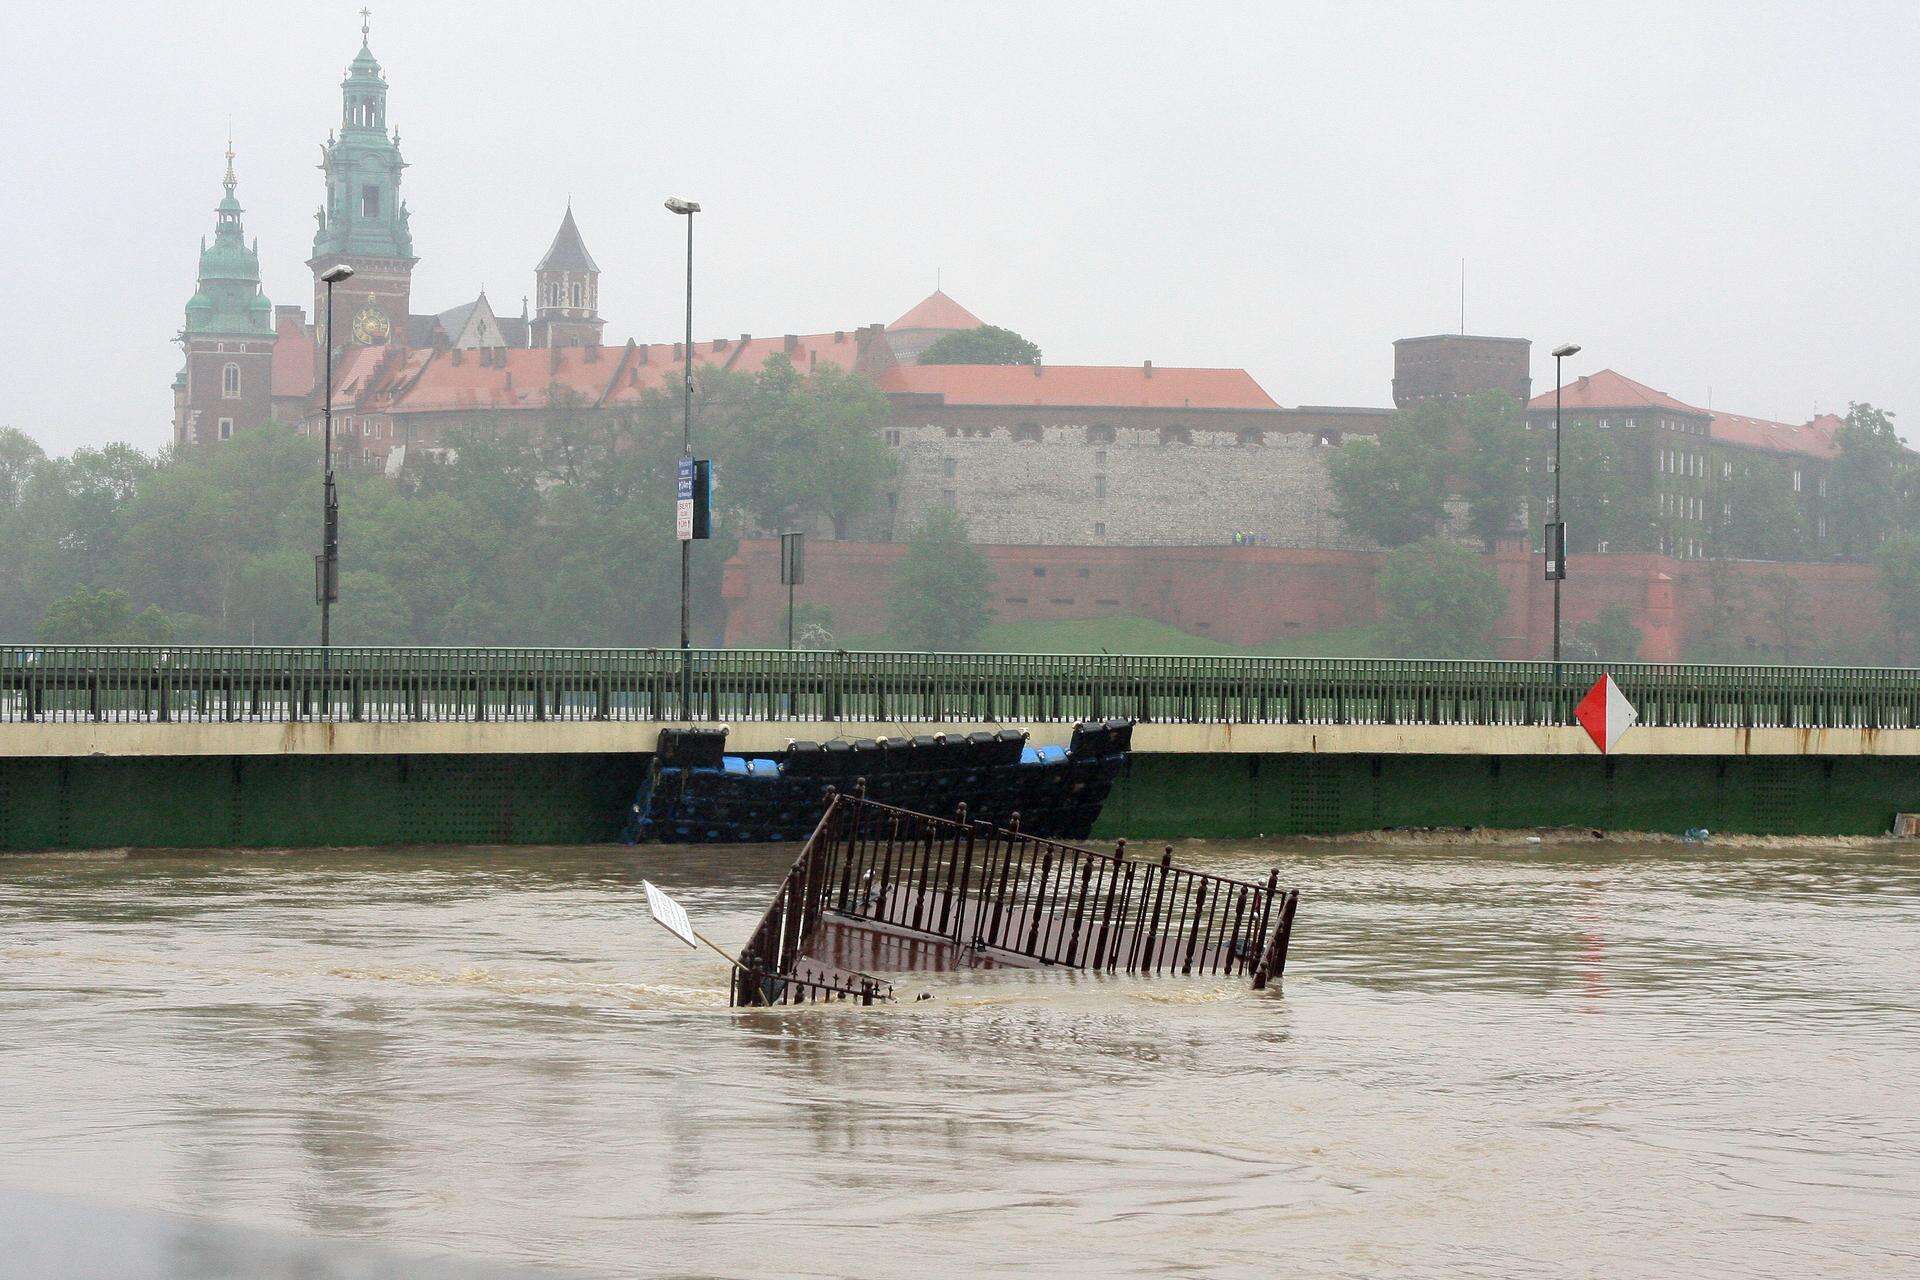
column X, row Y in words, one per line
column 1706, row 196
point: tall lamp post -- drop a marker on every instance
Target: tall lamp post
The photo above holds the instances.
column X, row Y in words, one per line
column 686, row 209
column 1556, row 527
column 326, row 566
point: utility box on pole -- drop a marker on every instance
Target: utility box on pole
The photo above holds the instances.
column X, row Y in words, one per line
column 1556, row 550
column 793, row 571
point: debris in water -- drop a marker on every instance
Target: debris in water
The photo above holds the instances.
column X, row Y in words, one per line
column 882, row 888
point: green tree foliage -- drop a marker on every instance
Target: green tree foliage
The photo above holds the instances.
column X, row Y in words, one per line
column 1439, row 600
column 1764, row 520
column 562, row 537
column 1392, row 488
column 1493, row 479
column 102, row 617
column 1865, row 484
column 989, row 344
column 1899, row 563
column 941, row 588
column 1608, row 636
column 1608, row 496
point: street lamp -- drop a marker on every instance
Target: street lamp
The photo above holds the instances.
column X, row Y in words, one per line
column 1556, row 527
column 326, row 566
column 686, row 209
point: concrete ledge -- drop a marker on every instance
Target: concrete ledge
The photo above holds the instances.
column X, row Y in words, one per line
column 565, row 737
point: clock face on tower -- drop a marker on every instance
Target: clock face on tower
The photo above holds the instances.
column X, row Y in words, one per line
column 370, row 326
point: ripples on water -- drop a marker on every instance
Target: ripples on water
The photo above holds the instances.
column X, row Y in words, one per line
column 1605, row 1059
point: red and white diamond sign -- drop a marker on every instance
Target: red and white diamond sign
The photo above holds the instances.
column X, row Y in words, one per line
column 1605, row 713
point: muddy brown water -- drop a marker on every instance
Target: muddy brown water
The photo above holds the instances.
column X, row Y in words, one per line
column 1506, row 1060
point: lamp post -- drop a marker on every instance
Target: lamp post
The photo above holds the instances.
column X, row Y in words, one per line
column 1556, row 527
column 686, row 209
column 326, row 567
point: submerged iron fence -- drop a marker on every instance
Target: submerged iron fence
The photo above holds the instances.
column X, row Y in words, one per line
column 880, row 887
column 199, row 684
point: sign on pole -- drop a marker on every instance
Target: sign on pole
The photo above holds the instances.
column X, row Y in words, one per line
column 683, row 502
column 1605, row 714
column 793, row 569
column 671, row 915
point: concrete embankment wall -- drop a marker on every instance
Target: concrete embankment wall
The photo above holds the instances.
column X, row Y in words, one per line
column 311, row 800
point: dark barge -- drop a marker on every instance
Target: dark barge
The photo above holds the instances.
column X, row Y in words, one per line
column 697, row 793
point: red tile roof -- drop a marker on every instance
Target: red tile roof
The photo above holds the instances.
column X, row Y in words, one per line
column 1087, row 386
column 293, row 358
column 937, row 311
column 1813, row 439
column 425, row 380
column 1609, row 390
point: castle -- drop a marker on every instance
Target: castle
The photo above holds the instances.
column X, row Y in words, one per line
column 1031, row 454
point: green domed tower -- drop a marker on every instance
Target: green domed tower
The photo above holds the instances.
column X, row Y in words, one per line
column 364, row 222
column 227, row 384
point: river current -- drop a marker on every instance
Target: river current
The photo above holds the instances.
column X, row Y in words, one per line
column 1504, row 1060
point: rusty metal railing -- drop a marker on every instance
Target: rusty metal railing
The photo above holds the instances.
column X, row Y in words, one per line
column 878, row 886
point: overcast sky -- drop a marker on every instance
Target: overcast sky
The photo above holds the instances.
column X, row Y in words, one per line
column 1714, row 199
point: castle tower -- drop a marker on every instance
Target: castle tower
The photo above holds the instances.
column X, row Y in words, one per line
column 364, row 222
column 567, row 284
column 227, row 383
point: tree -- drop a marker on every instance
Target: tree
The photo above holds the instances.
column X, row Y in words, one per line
column 1608, row 497
column 801, row 445
column 989, row 344
column 19, row 455
column 1609, row 636
column 1439, row 600
column 1899, row 563
column 1494, row 480
column 941, row 589
column 1392, row 488
column 1786, row 610
column 1763, row 519
column 1864, row 484
column 102, row 617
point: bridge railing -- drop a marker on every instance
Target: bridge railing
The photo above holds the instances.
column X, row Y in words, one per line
column 200, row 684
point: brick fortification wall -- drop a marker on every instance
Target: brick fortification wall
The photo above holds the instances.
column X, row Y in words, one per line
column 1253, row 595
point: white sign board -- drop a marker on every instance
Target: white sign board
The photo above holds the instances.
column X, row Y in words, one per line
column 671, row 915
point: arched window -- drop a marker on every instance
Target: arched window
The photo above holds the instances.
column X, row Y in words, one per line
column 369, row 201
column 230, row 381
column 579, row 294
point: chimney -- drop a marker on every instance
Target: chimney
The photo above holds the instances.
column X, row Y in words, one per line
column 745, row 338
column 792, row 343
column 719, row 344
column 458, row 357
column 861, row 337
column 1036, row 368
column 645, row 349
column 1148, row 367
column 679, row 353
column 839, row 335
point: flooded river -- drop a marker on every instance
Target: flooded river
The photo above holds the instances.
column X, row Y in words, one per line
column 1610, row 1060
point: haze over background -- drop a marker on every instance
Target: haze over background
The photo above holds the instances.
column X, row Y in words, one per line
column 1713, row 196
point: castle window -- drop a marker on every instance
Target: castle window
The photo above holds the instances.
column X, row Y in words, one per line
column 1099, row 529
column 579, row 295
column 230, row 381
column 226, row 428
column 1099, row 486
column 370, row 201
column 1099, row 457
column 893, row 435
column 949, row 499
column 949, row 468
column 1796, row 480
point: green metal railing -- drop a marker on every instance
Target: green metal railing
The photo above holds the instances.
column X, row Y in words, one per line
column 201, row 684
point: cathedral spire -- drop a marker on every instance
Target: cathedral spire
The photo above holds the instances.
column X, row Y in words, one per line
column 229, row 300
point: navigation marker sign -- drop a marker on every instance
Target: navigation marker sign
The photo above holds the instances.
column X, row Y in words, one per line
column 1605, row 713
column 671, row 915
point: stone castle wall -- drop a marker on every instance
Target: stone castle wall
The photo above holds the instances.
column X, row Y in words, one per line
column 1134, row 478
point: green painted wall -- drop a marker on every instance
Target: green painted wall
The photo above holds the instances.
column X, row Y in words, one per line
column 1168, row 795
column 304, row 801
